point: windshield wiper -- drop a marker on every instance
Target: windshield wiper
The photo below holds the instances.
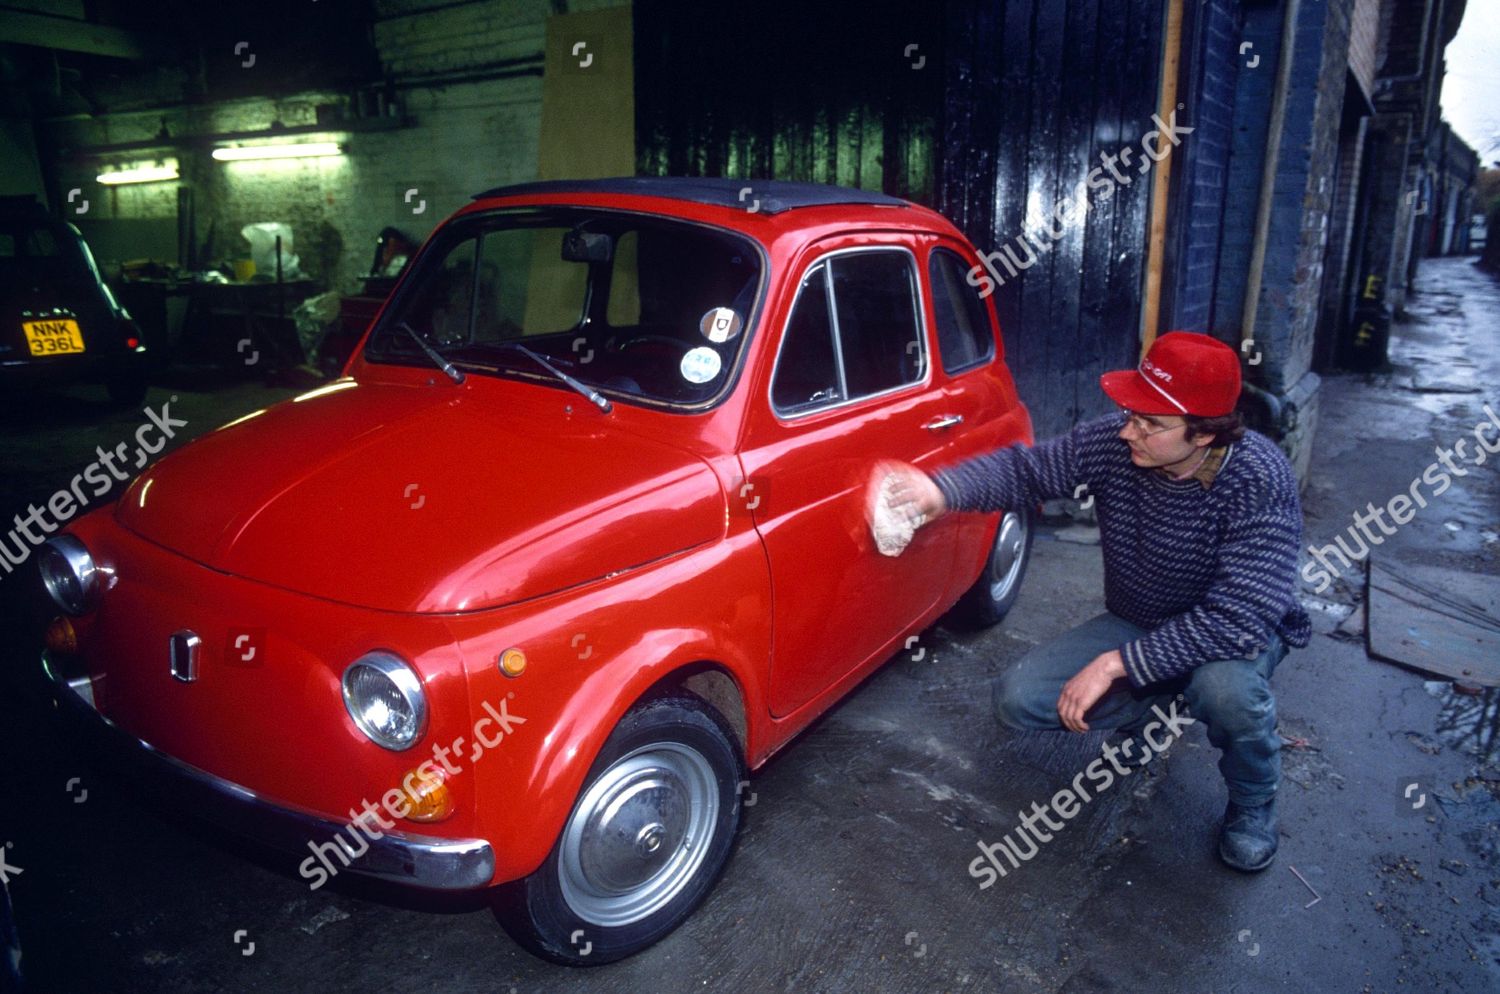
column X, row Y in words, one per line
column 594, row 397
column 447, row 367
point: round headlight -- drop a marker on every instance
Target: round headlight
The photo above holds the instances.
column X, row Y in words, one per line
column 385, row 699
column 69, row 573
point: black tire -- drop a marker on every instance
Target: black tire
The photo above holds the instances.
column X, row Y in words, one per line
column 999, row 584
column 667, row 775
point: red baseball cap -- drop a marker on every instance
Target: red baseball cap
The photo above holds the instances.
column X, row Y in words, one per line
column 1184, row 372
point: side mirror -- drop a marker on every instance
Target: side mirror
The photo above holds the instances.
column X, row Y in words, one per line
column 587, row 246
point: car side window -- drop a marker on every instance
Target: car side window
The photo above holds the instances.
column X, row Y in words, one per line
column 876, row 307
column 964, row 334
column 807, row 372
column 853, row 332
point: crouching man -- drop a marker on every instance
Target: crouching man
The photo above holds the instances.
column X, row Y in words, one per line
column 1200, row 526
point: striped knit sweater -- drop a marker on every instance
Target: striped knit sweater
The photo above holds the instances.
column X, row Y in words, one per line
column 1211, row 572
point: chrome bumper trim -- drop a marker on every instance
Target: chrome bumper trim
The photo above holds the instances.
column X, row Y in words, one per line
column 422, row 861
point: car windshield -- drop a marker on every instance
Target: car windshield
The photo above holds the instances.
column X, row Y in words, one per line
column 643, row 308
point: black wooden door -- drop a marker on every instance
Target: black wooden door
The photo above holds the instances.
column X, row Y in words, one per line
column 991, row 112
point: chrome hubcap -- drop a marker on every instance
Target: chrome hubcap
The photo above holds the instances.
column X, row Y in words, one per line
column 1005, row 560
column 639, row 834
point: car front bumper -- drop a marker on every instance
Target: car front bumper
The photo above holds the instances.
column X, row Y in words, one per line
column 421, row 861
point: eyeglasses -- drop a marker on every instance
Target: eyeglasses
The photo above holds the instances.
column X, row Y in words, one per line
column 1141, row 425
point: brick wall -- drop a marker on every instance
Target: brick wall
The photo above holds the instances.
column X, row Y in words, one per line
column 1302, row 196
column 418, row 37
column 1203, row 175
column 1407, row 90
column 1337, row 281
column 1291, row 287
column 1254, row 87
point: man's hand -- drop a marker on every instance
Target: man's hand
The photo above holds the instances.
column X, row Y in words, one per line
column 1084, row 690
column 914, row 491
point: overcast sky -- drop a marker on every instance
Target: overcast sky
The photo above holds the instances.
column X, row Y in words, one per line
column 1471, row 92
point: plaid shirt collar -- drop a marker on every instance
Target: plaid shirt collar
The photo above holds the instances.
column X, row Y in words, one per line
column 1208, row 469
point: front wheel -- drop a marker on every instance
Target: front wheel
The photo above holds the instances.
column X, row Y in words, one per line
column 995, row 592
column 647, row 838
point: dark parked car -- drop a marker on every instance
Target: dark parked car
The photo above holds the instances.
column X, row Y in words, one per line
column 59, row 324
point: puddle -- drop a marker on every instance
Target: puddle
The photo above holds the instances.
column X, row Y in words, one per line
column 1436, row 386
column 1437, row 404
column 1468, row 723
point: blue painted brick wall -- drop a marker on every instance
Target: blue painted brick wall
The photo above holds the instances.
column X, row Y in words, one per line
column 1205, row 173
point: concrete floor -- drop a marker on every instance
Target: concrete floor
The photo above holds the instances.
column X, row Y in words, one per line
column 851, row 869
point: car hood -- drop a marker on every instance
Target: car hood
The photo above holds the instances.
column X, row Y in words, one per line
column 424, row 499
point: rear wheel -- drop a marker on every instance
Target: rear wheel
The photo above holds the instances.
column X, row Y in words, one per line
column 995, row 592
column 647, row 838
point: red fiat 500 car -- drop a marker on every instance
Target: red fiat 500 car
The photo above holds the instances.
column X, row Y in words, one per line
column 577, row 539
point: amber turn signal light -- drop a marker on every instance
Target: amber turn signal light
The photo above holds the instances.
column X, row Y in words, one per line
column 512, row 662
column 61, row 638
column 427, row 795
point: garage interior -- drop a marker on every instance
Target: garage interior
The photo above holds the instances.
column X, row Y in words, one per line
column 346, row 130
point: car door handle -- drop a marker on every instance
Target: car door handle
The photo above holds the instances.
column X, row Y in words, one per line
column 944, row 422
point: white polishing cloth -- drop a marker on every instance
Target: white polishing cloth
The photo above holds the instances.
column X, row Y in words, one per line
column 892, row 523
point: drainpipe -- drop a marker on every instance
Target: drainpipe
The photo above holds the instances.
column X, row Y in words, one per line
column 1281, row 414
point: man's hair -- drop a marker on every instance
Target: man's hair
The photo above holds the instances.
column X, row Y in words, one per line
column 1225, row 429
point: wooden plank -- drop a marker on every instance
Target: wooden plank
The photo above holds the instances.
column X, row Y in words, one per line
column 1139, row 91
column 723, row 95
column 1075, row 131
column 64, row 34
column 1048, row 47
column 1099, row 327
column 1012, row 143
column 972, row 112
column 1416, row 619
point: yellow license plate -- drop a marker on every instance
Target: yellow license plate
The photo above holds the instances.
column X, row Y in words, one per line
column 57, row 337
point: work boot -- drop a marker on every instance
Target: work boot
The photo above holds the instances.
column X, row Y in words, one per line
column 1249, row 838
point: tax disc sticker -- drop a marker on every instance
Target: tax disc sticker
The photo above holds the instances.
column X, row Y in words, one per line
column 720, row 324
column 700, row 365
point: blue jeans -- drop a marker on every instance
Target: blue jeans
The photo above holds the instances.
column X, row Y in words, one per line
column 1232, row 697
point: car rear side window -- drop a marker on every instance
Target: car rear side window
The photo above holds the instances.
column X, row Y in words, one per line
column 869, row 341
column 964, row 334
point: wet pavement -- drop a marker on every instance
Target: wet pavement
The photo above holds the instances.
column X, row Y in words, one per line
column 851, row 870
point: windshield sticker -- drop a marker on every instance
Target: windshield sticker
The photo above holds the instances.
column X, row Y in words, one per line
column 720, row 324
column 701, row 365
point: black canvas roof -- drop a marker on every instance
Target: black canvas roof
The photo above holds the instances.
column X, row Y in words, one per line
column 775, row 196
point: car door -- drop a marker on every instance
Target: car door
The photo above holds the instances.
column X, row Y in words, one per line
column 972, row 375
column 852, row 385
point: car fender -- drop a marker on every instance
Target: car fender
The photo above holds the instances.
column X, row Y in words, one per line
column 590, row 657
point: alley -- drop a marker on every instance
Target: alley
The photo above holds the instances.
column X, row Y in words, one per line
column 851, row 870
